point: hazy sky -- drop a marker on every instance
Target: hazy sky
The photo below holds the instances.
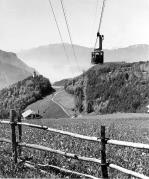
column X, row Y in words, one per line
column 29, row 23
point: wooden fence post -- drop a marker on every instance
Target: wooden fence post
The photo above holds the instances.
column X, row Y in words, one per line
column 20, row 135
column 104, row 170
column 13, row 135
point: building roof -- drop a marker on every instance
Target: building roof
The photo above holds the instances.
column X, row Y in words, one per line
column 27, row 113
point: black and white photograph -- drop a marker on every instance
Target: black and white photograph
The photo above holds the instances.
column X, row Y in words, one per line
column 74, row 89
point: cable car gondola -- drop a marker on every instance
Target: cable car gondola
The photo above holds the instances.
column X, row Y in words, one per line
column 98, row 54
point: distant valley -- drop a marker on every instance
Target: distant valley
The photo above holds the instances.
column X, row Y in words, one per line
column 51, row 61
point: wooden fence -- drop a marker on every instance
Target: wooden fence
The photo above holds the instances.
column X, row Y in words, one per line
column 17, row 145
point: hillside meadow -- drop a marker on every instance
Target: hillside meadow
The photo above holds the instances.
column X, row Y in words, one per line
column 133, row 129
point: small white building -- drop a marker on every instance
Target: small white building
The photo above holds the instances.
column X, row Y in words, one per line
column 29, row 114
column 147, row 108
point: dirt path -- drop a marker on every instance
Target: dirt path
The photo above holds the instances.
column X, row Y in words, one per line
column 53, row 99
column 66, row 101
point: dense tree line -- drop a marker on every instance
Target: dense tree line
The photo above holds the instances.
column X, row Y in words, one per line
column 112, row 87
column 19, row 95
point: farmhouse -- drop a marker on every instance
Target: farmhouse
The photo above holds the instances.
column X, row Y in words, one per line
column 147, row 108
column 29, row 114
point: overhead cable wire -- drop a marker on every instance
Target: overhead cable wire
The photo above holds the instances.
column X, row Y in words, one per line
column 101, row 17
column 69, row 33
column 100, row 22
column 93, row 23
column 58, row 29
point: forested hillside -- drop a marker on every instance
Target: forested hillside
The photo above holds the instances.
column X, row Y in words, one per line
column 21, row 94
column 112, row 87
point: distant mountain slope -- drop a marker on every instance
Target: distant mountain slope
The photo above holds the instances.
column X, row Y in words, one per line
column 51, row 61
column 12, row 69
column 134, row 53
column 61, row 82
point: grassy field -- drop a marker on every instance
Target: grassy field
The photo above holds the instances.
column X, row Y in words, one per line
column 66, row 100
column 47, row 108
column 134, row 129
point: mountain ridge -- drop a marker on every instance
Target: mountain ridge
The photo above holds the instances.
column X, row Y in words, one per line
column 52, row 58
column 12, row 69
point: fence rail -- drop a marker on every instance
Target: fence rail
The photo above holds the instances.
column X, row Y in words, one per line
column 63, row 170
column 129, row 144
column 5, row 140
column 129, row 172
column 94, row 139
column 5, row 122
column 70, row 155
column 17, row 145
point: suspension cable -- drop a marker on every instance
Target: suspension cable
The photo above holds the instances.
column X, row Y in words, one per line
column 101, row 17
column 68, row 29
column 100, row 22
column 58, row 30
column 93, row 22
